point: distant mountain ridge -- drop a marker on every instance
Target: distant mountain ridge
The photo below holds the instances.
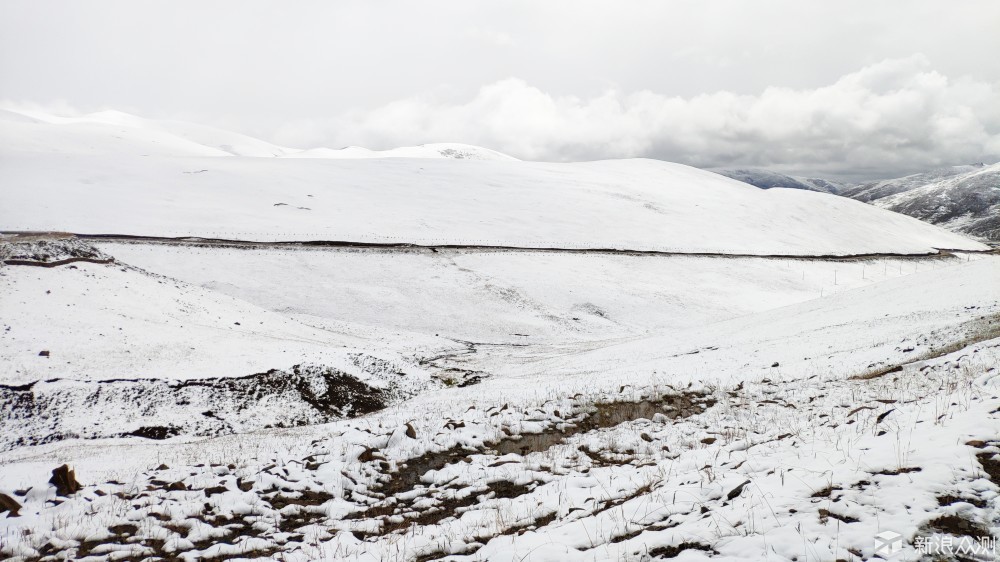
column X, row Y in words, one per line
column 767, row 179
column 963, row 199
column 874, row 190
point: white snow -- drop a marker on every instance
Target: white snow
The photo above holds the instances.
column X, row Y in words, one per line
column 97, row 177
column 825, row 469
column 514, row 297
column 813, row 402
column 114, row 321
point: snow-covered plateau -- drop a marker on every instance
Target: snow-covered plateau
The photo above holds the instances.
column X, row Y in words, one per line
column 442, row 353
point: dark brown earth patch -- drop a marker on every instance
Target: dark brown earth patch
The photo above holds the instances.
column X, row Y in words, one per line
column 948, row 499
column 155, row 432
column 898, row 471
column 991, row 465
column 958, row 526
column 825, row 514
column 606, row 415
column 676, row 550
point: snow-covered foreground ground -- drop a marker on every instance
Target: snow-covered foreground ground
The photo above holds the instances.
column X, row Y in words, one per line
column 762, row 422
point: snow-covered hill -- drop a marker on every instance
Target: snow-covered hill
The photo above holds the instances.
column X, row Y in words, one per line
column 93, row 347
column 964, row 199
column 766, row 179
column 453, row 150
column 122, row 175
column 116, row 132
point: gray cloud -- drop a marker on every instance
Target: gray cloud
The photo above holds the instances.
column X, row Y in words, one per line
column 890, row 117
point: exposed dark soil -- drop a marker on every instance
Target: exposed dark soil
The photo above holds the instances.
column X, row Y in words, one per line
column 949, row 499
column 959, row 526
column 991, row 465
column 408, row 477
column 675, row 551
column 607, row 415
column 155, row 432
column 56, row 263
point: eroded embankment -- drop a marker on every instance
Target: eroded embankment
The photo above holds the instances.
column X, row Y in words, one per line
column 57, row 409
column 49, row 251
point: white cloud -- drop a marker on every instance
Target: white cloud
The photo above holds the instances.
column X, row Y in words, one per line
column 894, row 116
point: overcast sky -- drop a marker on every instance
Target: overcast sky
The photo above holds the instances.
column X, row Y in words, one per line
column 857, row 89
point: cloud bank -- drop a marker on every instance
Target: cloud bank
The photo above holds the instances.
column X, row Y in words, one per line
column 889, row 118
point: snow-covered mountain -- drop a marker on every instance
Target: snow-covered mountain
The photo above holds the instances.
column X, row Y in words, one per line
column 874, row 190
column 113, row 173
column 118, row 132
column 964, row 199
column 766, row 179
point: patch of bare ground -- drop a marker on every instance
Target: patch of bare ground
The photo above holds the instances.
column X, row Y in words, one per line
column 396, row 514
column 674, row 551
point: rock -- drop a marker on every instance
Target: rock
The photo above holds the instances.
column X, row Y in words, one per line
column 9, row 505
column 775, row 364
column 43, row 353
column 64, row 479
column 177, row 487
column 976, row 443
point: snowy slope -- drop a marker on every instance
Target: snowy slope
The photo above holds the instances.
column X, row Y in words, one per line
column 100, row 321
column 630, row 204
column 91, row 347
column 964, row 199
column 784, row 457
column 516, row 297
column 117, row 175
column 894, row 321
